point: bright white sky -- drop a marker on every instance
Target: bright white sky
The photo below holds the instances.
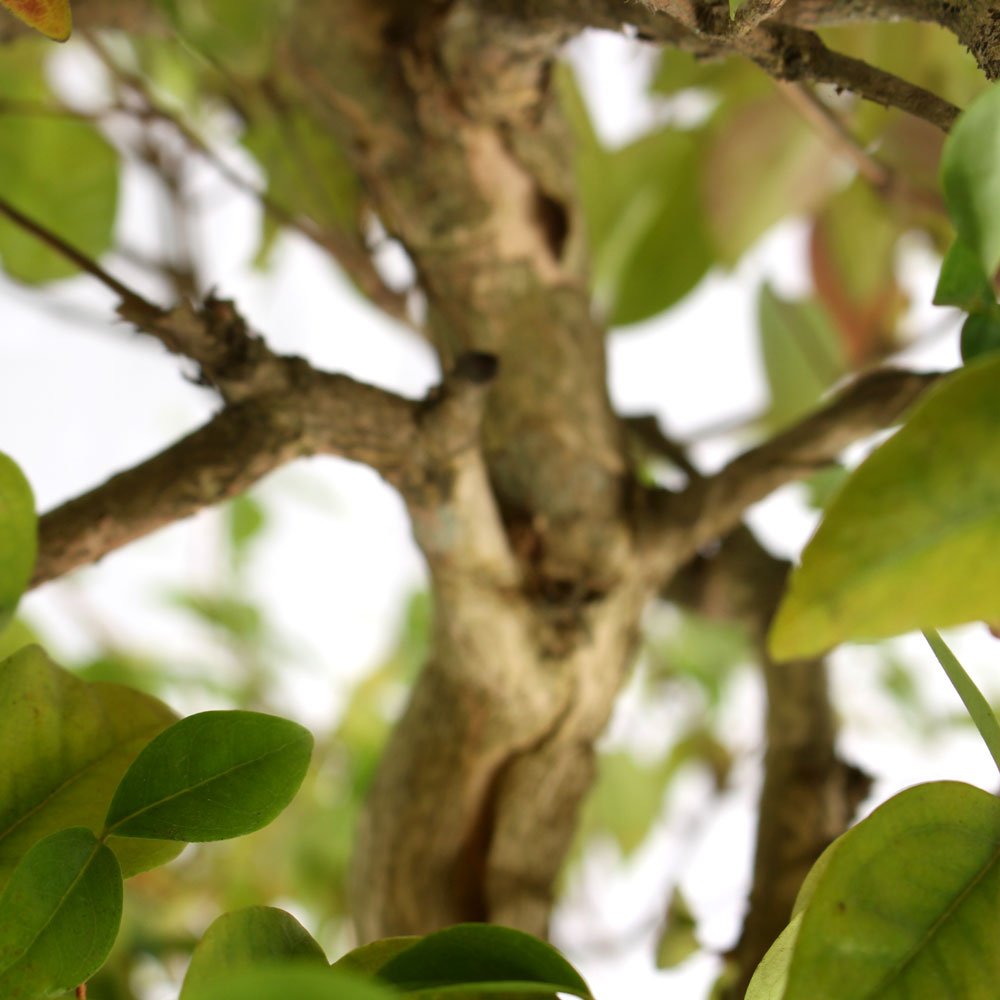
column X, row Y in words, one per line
column 83, row 400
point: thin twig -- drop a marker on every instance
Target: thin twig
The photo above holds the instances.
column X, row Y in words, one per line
column 348, row 252
column 882, row 178
column 73, row 255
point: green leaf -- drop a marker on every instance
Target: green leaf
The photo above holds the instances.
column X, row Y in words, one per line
column 963, row 282
column 59, row 915
column 970, row 174
column 18, row 536
column 307, row 171
column 285, row 982
column 212, row 776
column 369, row 958
column 252, row 936
column 645, row 222
column 65, row 745
column 906, row 543
column 678, row 939
column 233, row 33
column 801, row 356
column 734, row 6
column 626, row 799
column 980, row 334
column 246, row 521
column 59, row 171
column 482, row 959
column 907, row 906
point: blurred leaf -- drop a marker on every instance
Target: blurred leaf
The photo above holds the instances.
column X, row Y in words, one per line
column 902, row 545
column 822, row 486
column 59, row 915
column 307, row 172
column 52, row 18
column 970, row 174
column 646, row 224
column 240, row 619
column 906, row 904
column 15, row 637
column 490, row 958
column 678, row 939
column 702, row 650
column 251, row 936
column 246, row 521
column 626, row 799
column 65, row 745
column 644, row 221
column 852, row 254
column 963, row 282
column 77, row 204
column 285, row 982
column 980, row 334
column 18, row 536
column 211, row 776
column 731, row 80
column 801, row 355
column 762, row 165
column 238, row 35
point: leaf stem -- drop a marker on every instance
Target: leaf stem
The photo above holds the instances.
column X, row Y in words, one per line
column 977, row 706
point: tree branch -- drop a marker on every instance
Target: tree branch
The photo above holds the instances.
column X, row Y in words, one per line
column 220, row 460
column 787, row 52
column 809, row 795
column 678, row 525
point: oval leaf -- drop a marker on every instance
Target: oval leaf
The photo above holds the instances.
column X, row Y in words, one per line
column 212, row 776
column 369, row 958
column 59, row 915
column 248, row 937
column 277, row 982
column 908, row 906
column 51, row 17
column 970, row 174
column 65, row 745
column 489, row 958
column 907, row 542
column 18, row 536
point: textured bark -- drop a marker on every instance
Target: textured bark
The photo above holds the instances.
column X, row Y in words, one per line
column 809, row 794
column 542, row 548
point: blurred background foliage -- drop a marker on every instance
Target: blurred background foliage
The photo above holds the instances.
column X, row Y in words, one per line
column 732, row 154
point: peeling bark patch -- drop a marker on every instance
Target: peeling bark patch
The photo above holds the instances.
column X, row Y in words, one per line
column 512, row 196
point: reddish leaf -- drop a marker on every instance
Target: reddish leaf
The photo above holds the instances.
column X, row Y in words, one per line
column 51, row 17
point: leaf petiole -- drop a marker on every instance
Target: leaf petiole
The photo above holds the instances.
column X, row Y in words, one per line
column 977, row 706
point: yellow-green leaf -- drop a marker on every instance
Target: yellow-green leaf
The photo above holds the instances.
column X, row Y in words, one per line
column 65, row 744
column 909, row 541
column 906, row 907
column 18, row 536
